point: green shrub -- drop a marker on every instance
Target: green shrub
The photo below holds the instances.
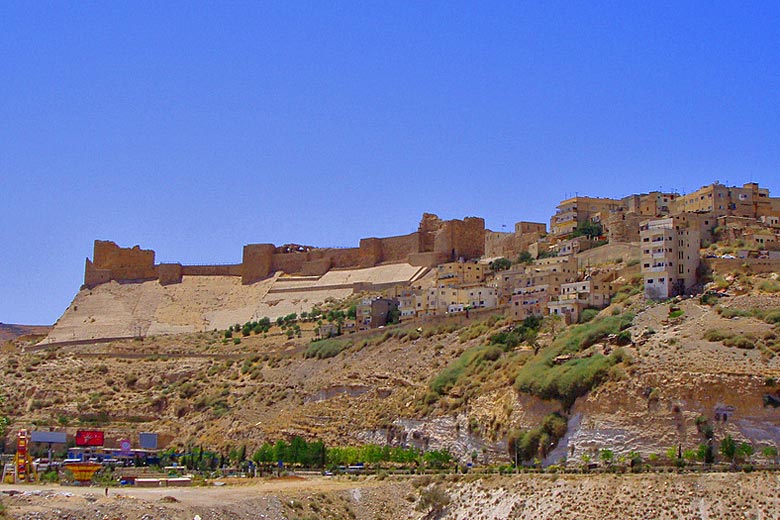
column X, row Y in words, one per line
column 716, row 335
column 524, row 333
column 623, row 337
column 772, row 316
column 567, row 380
column 326, row 348
column 739, row 342
column 709, row 299
column 676, row 314
column 50, row 476
column 473, row 332
column 469, row 361
column 500, row 264
column 769, row 286
column 588, row 314
column 730, row 312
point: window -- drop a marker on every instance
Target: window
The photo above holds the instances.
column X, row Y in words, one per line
column 650, row 280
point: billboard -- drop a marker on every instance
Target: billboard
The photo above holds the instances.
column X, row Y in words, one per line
column 89, row 438
column 147, row 441
column 52, row 437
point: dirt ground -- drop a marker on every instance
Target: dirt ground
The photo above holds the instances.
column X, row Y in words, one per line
column 664, row 495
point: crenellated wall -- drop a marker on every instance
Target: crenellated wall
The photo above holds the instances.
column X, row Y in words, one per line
column 434, row 242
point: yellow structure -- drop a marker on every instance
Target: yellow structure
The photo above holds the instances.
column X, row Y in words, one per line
column 83, row 471
column 22, row 466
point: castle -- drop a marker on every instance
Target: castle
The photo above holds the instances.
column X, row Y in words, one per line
column 436, row 241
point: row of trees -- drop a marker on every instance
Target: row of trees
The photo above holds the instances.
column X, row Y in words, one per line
column 290, row 323
column 311, row 454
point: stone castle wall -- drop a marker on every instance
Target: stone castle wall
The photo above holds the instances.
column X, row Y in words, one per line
column 510, row 245
column 435, row 241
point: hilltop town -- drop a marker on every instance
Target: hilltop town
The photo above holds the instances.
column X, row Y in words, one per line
column 588, row 255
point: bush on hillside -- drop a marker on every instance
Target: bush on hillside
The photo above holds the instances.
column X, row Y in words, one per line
column 326, row 348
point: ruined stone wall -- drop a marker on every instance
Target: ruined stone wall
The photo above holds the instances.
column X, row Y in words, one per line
column 462, row 238
column 212, row 270
column 257, row 262
column 94, row 276
column 169, row 273
column 508, row 245
column 398, row 249
column 288, row 262
column 316, row 267
column 340, row 258
column 125, row 263
column 427, row 231
column 745, row 265
column 497, row 243
column 370, row 252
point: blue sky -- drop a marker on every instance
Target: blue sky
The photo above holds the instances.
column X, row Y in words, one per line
column 194, row 128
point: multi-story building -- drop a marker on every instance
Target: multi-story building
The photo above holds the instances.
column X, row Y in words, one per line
column 529, row 301
column 460, row 273
column 407, row 303
column 750, row 201
column 374, row 312
column 652, row 204
column 576, row 210
column 548, row 271
column 436, row 301
column 574, row 297
column 670, row 256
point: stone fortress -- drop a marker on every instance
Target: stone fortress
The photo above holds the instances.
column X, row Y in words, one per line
column 126, row 294
column 436, row 241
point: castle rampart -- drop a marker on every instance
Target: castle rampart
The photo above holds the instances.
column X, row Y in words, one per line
column 435, row 241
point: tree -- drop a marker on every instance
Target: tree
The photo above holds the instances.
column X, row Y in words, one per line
column 705, row 453
column 264, row 455
column 728, row 448
column 525, row 258
column 588, row 229
column 606, row 456
column 352, row 312
column 437, row 458
column 745, row 451
column 500, row 264
column 770, row 452
column 393, row 316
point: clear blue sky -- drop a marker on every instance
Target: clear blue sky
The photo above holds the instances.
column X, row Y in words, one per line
column 194, row 128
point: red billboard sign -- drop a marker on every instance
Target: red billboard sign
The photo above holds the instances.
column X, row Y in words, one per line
column 89, row 438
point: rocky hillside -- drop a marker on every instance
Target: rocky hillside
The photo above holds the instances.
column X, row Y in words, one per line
column 660, row 376
column 10, row 331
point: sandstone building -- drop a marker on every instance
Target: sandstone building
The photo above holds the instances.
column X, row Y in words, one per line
column 670, row 256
